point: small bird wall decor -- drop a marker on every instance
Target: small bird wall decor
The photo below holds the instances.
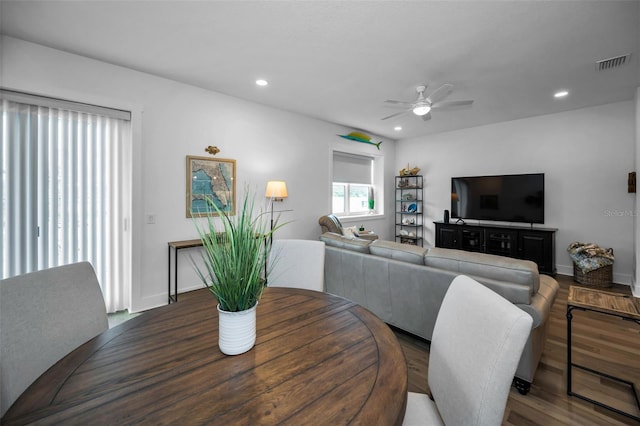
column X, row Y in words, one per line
column 213, row 150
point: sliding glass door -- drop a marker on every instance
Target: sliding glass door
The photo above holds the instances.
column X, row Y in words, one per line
column 66, row 190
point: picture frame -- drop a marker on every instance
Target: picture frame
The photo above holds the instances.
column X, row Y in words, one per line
column 210, row 178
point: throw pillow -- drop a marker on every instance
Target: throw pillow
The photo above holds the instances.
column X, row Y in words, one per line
column 350, row 232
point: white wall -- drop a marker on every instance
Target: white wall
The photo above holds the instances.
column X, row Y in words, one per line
column 636, row 265
column 585, row 154
column 172, row 120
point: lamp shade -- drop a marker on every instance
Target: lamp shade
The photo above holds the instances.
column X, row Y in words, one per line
column 421, row 109
column 276, row 189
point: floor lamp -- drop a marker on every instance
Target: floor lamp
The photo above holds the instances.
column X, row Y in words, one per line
column 276, row 191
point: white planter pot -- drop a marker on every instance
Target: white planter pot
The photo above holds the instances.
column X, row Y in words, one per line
column 236, row 330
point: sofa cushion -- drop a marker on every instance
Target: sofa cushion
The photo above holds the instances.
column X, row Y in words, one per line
column 500, row 268
column 397, row 251
column 336, row 240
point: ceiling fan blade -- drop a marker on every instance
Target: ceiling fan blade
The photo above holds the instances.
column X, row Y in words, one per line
column 408, row 106
column 390, row 101
column 451, row 104
column 440, row 93
column 427, row 116
column 394, row 115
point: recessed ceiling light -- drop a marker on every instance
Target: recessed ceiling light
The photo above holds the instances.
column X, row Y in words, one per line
column 261, row 82
column 560, row 94
column 397, row 128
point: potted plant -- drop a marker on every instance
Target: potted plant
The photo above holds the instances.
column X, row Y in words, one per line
column 235, row 258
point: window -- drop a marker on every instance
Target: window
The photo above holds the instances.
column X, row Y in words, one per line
column 65, row 189
column 353, row 191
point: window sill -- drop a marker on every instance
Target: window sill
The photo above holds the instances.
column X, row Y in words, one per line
column 359, row 218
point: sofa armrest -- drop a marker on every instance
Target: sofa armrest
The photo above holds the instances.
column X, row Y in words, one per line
column 330, row 223
column 541, row 302
column 354, row 244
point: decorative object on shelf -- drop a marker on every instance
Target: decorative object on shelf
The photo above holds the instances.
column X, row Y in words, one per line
column 361, row 137
column 234, row 258
column 407, row 197
column 408, row 171
column 213, row 150
column 361, row 228
column 211, row 182
column 405, row 184
column 412, row 208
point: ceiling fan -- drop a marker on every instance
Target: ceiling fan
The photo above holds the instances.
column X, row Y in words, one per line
column 422, row 106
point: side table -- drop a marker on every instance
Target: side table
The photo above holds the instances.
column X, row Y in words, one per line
column 177, row 245
column 368, row 235
column 608, row 303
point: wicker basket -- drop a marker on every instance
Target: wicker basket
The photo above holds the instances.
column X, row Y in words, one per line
column 601, row 277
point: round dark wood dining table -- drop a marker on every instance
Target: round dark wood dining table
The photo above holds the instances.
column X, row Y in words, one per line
column 318, row 359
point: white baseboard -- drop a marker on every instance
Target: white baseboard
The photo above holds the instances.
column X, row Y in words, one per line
column 161, row 299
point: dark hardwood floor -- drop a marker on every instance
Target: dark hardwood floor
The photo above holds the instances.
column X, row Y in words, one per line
column 600, row 341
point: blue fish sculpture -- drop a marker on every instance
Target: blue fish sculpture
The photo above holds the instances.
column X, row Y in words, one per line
column 361, row 137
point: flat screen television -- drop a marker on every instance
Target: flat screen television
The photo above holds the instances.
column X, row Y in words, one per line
column 505, row 198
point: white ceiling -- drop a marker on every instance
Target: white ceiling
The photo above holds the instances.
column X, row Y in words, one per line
column 339, row 60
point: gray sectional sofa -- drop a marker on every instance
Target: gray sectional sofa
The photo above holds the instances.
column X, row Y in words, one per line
column 404, row 285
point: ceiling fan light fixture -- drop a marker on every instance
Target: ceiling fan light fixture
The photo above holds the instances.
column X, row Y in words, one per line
column 421, row 109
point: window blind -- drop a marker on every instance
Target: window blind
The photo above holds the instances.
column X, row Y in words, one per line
column 45, row 101
column 352, row 168
column 66, row 192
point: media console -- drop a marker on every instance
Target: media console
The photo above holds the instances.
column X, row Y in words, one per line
column 520, row 242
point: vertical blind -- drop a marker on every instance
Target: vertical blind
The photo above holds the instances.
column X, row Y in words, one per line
column 66, row 185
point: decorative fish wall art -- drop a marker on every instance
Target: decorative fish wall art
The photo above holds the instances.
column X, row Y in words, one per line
column 361, row 137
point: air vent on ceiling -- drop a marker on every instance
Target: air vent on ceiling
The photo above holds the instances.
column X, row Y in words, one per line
column 617, row 62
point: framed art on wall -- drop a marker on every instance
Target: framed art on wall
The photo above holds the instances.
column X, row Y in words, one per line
column 210, row 179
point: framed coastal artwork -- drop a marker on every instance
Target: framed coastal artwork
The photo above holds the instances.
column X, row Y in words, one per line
column 210, row 180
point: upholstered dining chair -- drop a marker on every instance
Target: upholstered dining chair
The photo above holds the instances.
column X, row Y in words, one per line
column 45, row 315
column 297, row 263
column 477, row 342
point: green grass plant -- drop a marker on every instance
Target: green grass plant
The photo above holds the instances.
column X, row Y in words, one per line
column 235, row 254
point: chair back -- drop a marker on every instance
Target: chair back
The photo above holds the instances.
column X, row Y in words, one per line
column 477, row 342
column 297, row 264
column 330, row 223
column 44, row 316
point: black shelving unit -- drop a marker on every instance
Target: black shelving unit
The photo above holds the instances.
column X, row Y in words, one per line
column 409, row 210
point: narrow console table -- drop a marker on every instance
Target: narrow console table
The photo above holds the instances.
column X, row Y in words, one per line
column 177, row 245
column 521, row 242
column 619, row 305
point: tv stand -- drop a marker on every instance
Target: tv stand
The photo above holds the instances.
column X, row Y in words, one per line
column 520, row 242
